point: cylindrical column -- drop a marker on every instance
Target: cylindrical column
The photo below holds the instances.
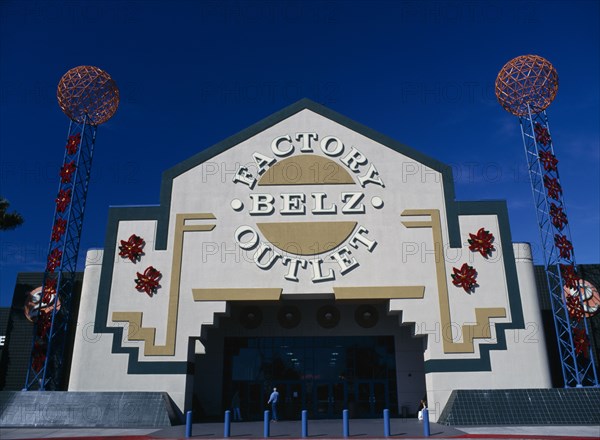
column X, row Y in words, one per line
column 386, row 422
column 346, row 423
column 426, row 422
column 227, row 424
column 304, row 423
column 188, row 424
column 266, row 424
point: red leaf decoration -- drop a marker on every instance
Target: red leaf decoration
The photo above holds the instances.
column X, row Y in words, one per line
column 54, row 260
column 59, row 229
column 465, row 277
column 482, row 242
column 574, row 307
column 564, row 246
column 549, row 160
column 559, row 218
column 569, row 276
column 39, row 356
column 73, row 143
column 49, row 290
column 148, row 281
column 132, row 248
column 63, row 199
column 582, row 344
column 67, row 171
column 541, row 134
column 44, row 323
column 553, row 187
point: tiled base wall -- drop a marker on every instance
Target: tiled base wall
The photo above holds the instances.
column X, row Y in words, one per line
column 62, row 409
column 556, row 406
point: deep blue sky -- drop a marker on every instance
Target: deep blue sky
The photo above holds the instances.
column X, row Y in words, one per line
column 194, row 73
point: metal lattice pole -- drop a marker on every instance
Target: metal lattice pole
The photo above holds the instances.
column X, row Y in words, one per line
column 525, row 87
column 89, row 97
column 50, row 331
column 577, row 362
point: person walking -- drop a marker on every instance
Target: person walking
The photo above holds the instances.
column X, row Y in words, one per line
column 235, row 404
column 273, row 399
column 422, row 406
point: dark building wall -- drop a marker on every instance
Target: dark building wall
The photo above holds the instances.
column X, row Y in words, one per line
column 589, row 272
column 14, row 358
column 4, row 314
column 19, row 332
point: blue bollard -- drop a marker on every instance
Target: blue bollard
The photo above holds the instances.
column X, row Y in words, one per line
column 304, row 423
column 227, row 426
column 386, row 422
column 266, row 424
column 425, row 422
column 346, row 423
column 188, row 424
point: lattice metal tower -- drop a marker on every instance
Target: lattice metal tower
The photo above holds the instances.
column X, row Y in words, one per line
column 89, row 97
column 525, row 87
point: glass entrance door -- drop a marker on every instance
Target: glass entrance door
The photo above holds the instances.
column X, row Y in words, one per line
column 323, row 375
column 293, row 399
column 329, row 399
column 371, row 397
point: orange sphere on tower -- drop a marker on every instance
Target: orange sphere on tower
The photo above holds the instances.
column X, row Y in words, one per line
column 528, row 82
column 88, row 91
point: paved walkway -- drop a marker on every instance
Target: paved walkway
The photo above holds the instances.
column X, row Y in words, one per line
column 403, row 429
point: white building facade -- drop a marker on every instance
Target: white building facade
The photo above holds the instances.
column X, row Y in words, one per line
column 310, row 253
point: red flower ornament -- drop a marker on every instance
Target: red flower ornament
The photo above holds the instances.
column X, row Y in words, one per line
column 67, row 171
column 465, row 277
column 44, row 323
column 549, row 160
column 564, row 246
column 148, row 281
column 541, row 134
column 49, row 290
column 132, row 248
column 73, row 143
column 582, row 344
column 574, row 307
column 59, row 229
column 54, row 260
column 559, row 218
column 569, row 276
column 482, row 242
column 39, row 356
column 63, row 200
column 553, row 187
